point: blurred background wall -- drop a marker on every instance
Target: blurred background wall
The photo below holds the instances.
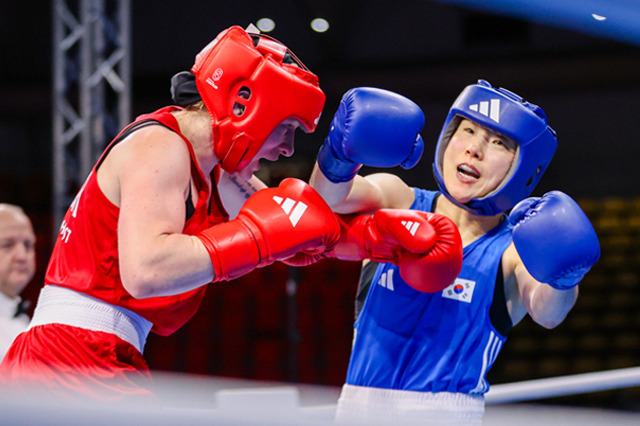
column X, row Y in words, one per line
column 584, row 72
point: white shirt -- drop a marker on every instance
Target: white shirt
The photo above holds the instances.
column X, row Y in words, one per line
column 10, row 326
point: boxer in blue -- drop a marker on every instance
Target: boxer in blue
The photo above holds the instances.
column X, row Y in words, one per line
column 421, row 353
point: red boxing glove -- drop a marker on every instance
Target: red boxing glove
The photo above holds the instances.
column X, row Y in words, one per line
column 426, row 246
column 436, row 269
column 273, row 224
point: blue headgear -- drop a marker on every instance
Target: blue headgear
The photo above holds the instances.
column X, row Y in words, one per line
column 508, row 114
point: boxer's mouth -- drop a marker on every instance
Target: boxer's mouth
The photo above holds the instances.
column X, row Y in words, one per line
column 468, row 171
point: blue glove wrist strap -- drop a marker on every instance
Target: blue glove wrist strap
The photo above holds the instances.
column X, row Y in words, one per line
column 335, row 169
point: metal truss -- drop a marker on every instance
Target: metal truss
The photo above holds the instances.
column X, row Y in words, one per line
column 92, row 88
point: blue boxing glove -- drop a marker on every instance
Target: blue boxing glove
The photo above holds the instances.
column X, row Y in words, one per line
column 554, row 239
column 374, row 127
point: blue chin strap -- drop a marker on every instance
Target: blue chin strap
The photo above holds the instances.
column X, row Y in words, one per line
column 506, row 113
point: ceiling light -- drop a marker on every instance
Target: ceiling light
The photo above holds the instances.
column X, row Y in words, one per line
column 319, row 25
column 266, row 24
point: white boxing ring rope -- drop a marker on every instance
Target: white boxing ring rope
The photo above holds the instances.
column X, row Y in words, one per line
column 185, row 397
column 563, row 385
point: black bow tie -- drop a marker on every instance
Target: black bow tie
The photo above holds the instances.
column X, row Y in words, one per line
column 22, row 308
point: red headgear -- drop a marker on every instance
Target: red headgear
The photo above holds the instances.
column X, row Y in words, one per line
column 250, row 83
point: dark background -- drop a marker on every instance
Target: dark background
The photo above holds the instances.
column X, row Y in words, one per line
column 586, row 79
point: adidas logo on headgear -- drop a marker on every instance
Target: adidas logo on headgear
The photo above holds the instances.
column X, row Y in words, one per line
column 489, row 108
column 294, row 209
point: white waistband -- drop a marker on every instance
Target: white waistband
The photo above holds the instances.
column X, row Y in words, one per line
column 359, row 404
column 60, row 305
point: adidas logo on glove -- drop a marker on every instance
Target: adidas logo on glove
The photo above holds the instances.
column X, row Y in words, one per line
column 411, row 226
column 294, row 209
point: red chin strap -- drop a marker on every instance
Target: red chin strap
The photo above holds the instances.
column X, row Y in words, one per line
column 233, row 161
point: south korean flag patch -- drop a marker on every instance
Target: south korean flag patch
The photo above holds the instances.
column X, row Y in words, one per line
column 461, row 290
